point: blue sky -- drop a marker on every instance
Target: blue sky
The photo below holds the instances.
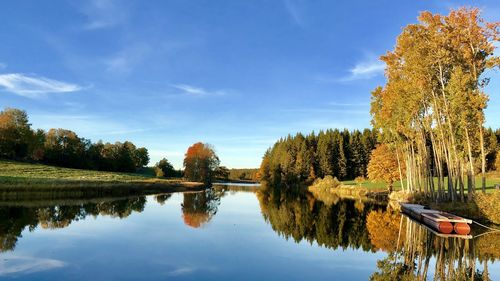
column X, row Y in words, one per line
column 236, row 74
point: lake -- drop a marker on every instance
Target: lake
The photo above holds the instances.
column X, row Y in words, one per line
column 230, row 233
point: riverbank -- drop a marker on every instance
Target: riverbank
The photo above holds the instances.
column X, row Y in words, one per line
column 333, row 195
column 483, row 207
column 18, row 179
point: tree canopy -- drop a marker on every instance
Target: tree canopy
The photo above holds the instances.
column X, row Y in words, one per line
column 201, row 163
column 63, row 147
column 432, row 106
column 302, row 159
column 384, row 166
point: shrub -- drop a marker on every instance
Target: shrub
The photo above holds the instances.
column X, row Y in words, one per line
column 488, row 205
column 159, row 172
column 327, row 182
column 359, row 180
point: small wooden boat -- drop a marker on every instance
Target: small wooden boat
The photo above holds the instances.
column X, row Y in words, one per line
column 441, row 222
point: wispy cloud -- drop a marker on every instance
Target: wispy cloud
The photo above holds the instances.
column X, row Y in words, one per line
column 295, row 10
column 3, row 65
column 365, row 70
column 198, row 91
column 11, row 264
column 104, row 14
column 34, row 86
column 127, row 59
column 182, row 271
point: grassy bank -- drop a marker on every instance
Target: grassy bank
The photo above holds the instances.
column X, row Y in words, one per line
column 17, row 178
column 491, row 180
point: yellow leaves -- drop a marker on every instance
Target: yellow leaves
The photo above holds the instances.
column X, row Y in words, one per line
column 383, row 228
column 383, row 165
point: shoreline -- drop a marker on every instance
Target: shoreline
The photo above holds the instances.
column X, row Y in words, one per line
column 18, row 187
column 480, row 209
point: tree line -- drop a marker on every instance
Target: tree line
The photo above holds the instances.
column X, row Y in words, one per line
column 303, row 158
column 429, row 116
column 223, row 173
column 62, row 147
column 431, row 109
column 347, row 155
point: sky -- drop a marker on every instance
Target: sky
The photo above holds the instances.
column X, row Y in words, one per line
column 236, row 74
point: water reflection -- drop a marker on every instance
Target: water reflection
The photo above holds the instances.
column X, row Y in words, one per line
column 410, row 257
column 198, row 208
column 58, row 214
column 334, row 222
column 409, row 251
column 301, row 216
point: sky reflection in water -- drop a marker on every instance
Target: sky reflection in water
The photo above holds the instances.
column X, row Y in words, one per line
column 217, row 235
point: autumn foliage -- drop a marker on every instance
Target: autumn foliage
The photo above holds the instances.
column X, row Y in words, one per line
column 383, row 227
column 383, row 165
column 432, row 105
column 200, row 163
column 199, row 208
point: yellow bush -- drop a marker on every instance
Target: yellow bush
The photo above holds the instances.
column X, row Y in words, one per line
column 489, row 205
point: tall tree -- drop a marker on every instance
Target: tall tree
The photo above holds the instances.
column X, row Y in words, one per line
column 432, row 106
column 15, row 133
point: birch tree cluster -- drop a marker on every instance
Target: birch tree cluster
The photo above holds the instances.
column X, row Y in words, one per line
column 431, row 109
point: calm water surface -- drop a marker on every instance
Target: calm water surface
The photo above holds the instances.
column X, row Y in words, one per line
column 229, row 233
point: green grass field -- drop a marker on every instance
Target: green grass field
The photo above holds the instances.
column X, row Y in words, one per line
column 10, row 169
column 491, row 180
column 27, row 177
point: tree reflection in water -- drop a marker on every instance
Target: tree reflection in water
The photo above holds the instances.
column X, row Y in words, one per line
column 14, row 219
column 198, row 208
column 296, row 213
column 453, row 258
column 414, row 253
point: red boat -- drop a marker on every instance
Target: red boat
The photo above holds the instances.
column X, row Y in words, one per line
column 441, row 222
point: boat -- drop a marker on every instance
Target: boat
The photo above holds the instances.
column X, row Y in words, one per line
column 441, row 222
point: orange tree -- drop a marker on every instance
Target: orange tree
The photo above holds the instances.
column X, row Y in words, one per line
column 200, row 163
column 384, row 166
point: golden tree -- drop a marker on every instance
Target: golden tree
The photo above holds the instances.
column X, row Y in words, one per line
column 384, row 166
column 432, row 106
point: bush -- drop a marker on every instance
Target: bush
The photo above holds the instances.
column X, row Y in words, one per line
column 159, row 172
column 327, row 182
column 488, row 205
column 359, row 180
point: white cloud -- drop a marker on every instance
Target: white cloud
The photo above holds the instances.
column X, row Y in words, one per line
column 198, row 91
column 295, row 10
column 182, row 271
column 13, row 264
column 365, row 70
column 104, row 14
column 34, row 86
